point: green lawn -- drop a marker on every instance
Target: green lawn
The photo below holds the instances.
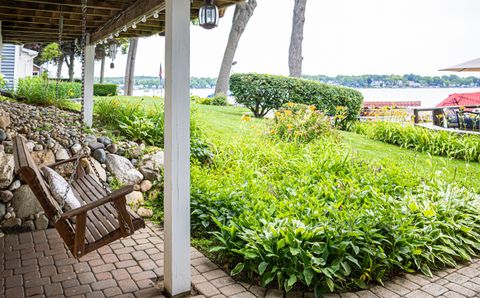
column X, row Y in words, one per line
column 221, row 123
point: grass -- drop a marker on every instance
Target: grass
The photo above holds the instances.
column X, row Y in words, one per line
column 462, row 172
column 224, row 122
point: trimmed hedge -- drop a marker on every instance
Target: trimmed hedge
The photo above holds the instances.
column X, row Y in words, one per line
column 105, row 90
column 263, row 92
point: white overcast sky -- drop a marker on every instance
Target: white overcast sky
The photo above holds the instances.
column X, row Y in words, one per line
column 341, row 37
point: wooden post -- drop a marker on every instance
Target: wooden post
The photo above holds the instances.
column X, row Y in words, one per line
column 88, row 81
column 177, row 148
column 1, row 44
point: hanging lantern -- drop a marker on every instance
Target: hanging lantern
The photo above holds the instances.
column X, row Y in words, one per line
column 208, row 15
column 112, row 65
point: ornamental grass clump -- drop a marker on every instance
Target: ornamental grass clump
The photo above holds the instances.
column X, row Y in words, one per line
column 300, row 123
column 313, row 216
column 441, row 143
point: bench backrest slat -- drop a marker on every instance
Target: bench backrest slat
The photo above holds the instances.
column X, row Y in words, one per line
column 27, row 169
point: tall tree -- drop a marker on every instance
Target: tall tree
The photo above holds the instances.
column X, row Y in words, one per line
column 295, row 58
column 243, row 13
column 69, row 51
column 130, row 69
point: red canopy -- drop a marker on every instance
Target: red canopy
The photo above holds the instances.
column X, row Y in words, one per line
column 461, row 99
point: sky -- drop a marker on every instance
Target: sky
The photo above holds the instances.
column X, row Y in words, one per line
column 348, row 37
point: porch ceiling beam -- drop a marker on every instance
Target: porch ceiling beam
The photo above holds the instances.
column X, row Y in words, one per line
column 52, row 24
column 75, row 3
column 16, row 13
column 7, row 4
column 136, row 11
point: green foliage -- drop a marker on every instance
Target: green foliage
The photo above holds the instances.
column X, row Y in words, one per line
column 217, row 100
column 314, row 215
column 42, row 91
column 261, row 93
column 51, row 52
column 105, row 89
column 442, row 143
column 135, row 122
column 300, row 123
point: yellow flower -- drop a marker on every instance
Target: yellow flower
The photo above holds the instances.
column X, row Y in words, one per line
column 272, row 132
column 462, row 108
column 289, row 127
column 312, row 108
column 246, row 118
column 290, row 104
column 278, row 114
column 288, row 113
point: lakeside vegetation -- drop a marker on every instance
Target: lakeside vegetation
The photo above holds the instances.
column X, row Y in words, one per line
column 346, row 210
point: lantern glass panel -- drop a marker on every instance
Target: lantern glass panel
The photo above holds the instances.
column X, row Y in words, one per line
column 208, row 16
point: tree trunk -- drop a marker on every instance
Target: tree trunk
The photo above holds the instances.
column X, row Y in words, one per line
column 70, row 64
column 130, row 70
column 295, row 58
column 243, row 12
column 102, row 70
column 59, row 67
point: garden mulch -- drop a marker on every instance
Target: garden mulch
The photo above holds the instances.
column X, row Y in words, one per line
column 37, row 264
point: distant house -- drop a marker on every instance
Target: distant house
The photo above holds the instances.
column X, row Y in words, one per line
column 17, row 63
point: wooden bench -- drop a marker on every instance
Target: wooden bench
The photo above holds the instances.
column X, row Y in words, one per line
column 101, row 219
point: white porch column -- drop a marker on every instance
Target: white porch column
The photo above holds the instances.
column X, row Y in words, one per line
column 177, row 148
column 88, row 80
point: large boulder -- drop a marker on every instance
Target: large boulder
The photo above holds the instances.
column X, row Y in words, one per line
column 3, row 211
column 41, row 223
column 4, row 120
column 87, row 165
column 123, row 169
column 6, row 196
column 7, row 166
column 61, row 154
column 135, row 199
column 152, row 166
column 43, row 158
column 25, row 203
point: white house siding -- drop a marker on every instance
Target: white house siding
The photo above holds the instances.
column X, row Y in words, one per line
column 9, row 53
column 17, row 63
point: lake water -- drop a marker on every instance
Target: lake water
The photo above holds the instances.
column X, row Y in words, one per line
column 428, row 96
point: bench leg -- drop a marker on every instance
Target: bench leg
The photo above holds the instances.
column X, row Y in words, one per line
column 79, row 243
column 124, row 219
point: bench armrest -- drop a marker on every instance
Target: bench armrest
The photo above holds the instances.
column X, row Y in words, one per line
column 116, row 195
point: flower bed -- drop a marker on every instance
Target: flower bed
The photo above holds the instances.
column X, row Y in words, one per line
column 311, row 215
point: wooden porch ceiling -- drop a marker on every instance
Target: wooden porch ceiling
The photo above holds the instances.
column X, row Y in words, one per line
column 27, row 21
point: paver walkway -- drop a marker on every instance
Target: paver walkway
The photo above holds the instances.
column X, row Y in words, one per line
column 38, row 265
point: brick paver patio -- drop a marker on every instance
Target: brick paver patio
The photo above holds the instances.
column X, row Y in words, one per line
column 38, row 265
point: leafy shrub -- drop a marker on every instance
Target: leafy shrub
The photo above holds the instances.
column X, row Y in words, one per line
column 442, row 143
column 139, row 124
column 300, row 123
column 312, row 215
column 44, row 92
column 262, row 93
column 105, row 90
column 217, row 100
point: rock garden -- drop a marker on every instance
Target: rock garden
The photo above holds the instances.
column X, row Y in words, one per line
column 55, row 135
